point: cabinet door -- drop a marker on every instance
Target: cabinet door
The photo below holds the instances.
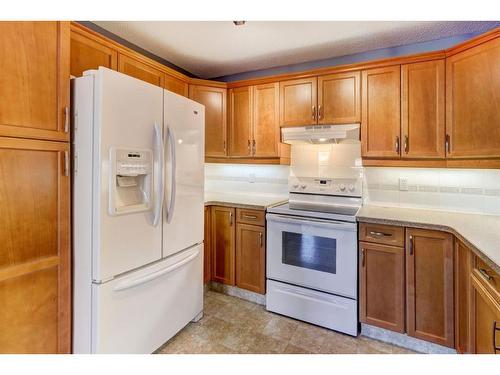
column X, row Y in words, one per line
column 223, row 244
column 251, row 258
column 472, row 101
column 298, row 102
column 485, row 320
column 429, row 286
column 176, row 85
column 35, row 260
column 240, row 121
column 422, row 107
column 380, row 121
column 382, row 286
column 207, row 248
column 462, row 292
column 266, row 130
column 214, row 100
column 88, row 53
column 140, row 70
column 34, row 82
column 339, row 99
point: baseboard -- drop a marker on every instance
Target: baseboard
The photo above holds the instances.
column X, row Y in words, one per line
column 404, row 341
column 237, row 292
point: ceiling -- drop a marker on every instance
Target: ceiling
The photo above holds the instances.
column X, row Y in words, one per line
column 216, row 48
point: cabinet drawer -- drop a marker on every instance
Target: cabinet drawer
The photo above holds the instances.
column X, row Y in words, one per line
column 383, row 234
column 488, row 277
column 253, row 217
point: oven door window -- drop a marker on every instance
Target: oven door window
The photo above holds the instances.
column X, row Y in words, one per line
column 306, row 251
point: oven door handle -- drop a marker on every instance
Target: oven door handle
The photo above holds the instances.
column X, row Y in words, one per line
column 311, row 221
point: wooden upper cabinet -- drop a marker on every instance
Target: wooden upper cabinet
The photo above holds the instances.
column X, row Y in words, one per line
column 176, row 85
column 473, row 101
column 140, row 70
column 382, row 286
column 266, row 130
column 339, row 99
column 88, row 53
column 223, row 244
column 298, row 102
column 423, row 110
column 35, row 258
column 380, row 121
column 240, row 121
column 429, row 286
column 251, row 258
column 34, row 82
column 214, row 100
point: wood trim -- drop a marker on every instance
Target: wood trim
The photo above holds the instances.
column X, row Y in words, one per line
column 433, row 163
column 233, row 160
column 480, row 39
column 434, row 55
column 457, row 300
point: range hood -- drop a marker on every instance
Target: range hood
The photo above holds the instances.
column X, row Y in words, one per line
column 321, row 134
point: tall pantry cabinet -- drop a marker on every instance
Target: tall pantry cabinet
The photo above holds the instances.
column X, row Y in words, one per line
column 35, row 264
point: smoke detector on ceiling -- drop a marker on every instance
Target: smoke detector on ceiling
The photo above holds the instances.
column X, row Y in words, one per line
column 239, row 23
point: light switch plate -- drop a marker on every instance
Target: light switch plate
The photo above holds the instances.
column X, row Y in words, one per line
column 251, row 177
column 403, row 184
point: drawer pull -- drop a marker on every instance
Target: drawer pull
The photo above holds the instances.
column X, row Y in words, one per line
column 484, row 274
column 380, row 234
column 495, row 329
column 253, row 217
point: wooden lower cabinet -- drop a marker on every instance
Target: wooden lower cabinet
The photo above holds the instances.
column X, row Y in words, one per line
column 207, row 248
column 462, row 296
column 223, row 244
column 485, row 319
column 429, row 286
column 35, row 264
column 382, row 286
column 251, row 257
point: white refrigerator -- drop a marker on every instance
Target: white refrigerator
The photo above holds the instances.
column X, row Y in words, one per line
column 138, row 175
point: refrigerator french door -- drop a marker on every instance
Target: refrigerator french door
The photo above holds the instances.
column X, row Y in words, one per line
column 130, row 296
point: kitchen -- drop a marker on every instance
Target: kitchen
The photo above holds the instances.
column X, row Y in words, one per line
column 341, row 205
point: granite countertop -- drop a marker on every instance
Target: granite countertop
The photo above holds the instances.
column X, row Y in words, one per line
column 244, row 200
column 481, row 233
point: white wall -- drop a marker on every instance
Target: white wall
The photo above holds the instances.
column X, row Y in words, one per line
column 246, row 178
column 466, row 190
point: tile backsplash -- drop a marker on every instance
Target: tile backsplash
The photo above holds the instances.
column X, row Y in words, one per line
column 246, row 178
column 465, row 190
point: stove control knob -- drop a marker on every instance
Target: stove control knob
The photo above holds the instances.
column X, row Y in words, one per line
column 342, row 187
column 295, row 186
column 303, row 186
column 351, row 187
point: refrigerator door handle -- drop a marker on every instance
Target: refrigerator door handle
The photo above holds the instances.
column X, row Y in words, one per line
column 160, row 155
column 171, row 205
column 142, row 280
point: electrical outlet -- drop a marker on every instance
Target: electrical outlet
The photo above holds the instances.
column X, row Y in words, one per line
column 403, row 184
column 251, row 178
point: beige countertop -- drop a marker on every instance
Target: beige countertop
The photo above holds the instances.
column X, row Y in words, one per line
column 244, row 200
column 479, row 232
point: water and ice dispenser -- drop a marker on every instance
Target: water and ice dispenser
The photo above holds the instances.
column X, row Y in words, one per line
column 131, row 181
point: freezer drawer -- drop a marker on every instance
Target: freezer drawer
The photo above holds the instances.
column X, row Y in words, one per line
column 326, row 310
column 140, row 311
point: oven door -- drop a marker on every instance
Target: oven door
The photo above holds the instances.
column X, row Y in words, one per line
column 314, row 253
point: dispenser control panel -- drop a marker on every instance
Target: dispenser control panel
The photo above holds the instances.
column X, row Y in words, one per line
column 133, row 163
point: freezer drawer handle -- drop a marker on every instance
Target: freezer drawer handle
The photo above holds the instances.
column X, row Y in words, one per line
column 154, row 275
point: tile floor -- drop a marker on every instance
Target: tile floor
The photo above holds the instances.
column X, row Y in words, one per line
column 233, row 325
